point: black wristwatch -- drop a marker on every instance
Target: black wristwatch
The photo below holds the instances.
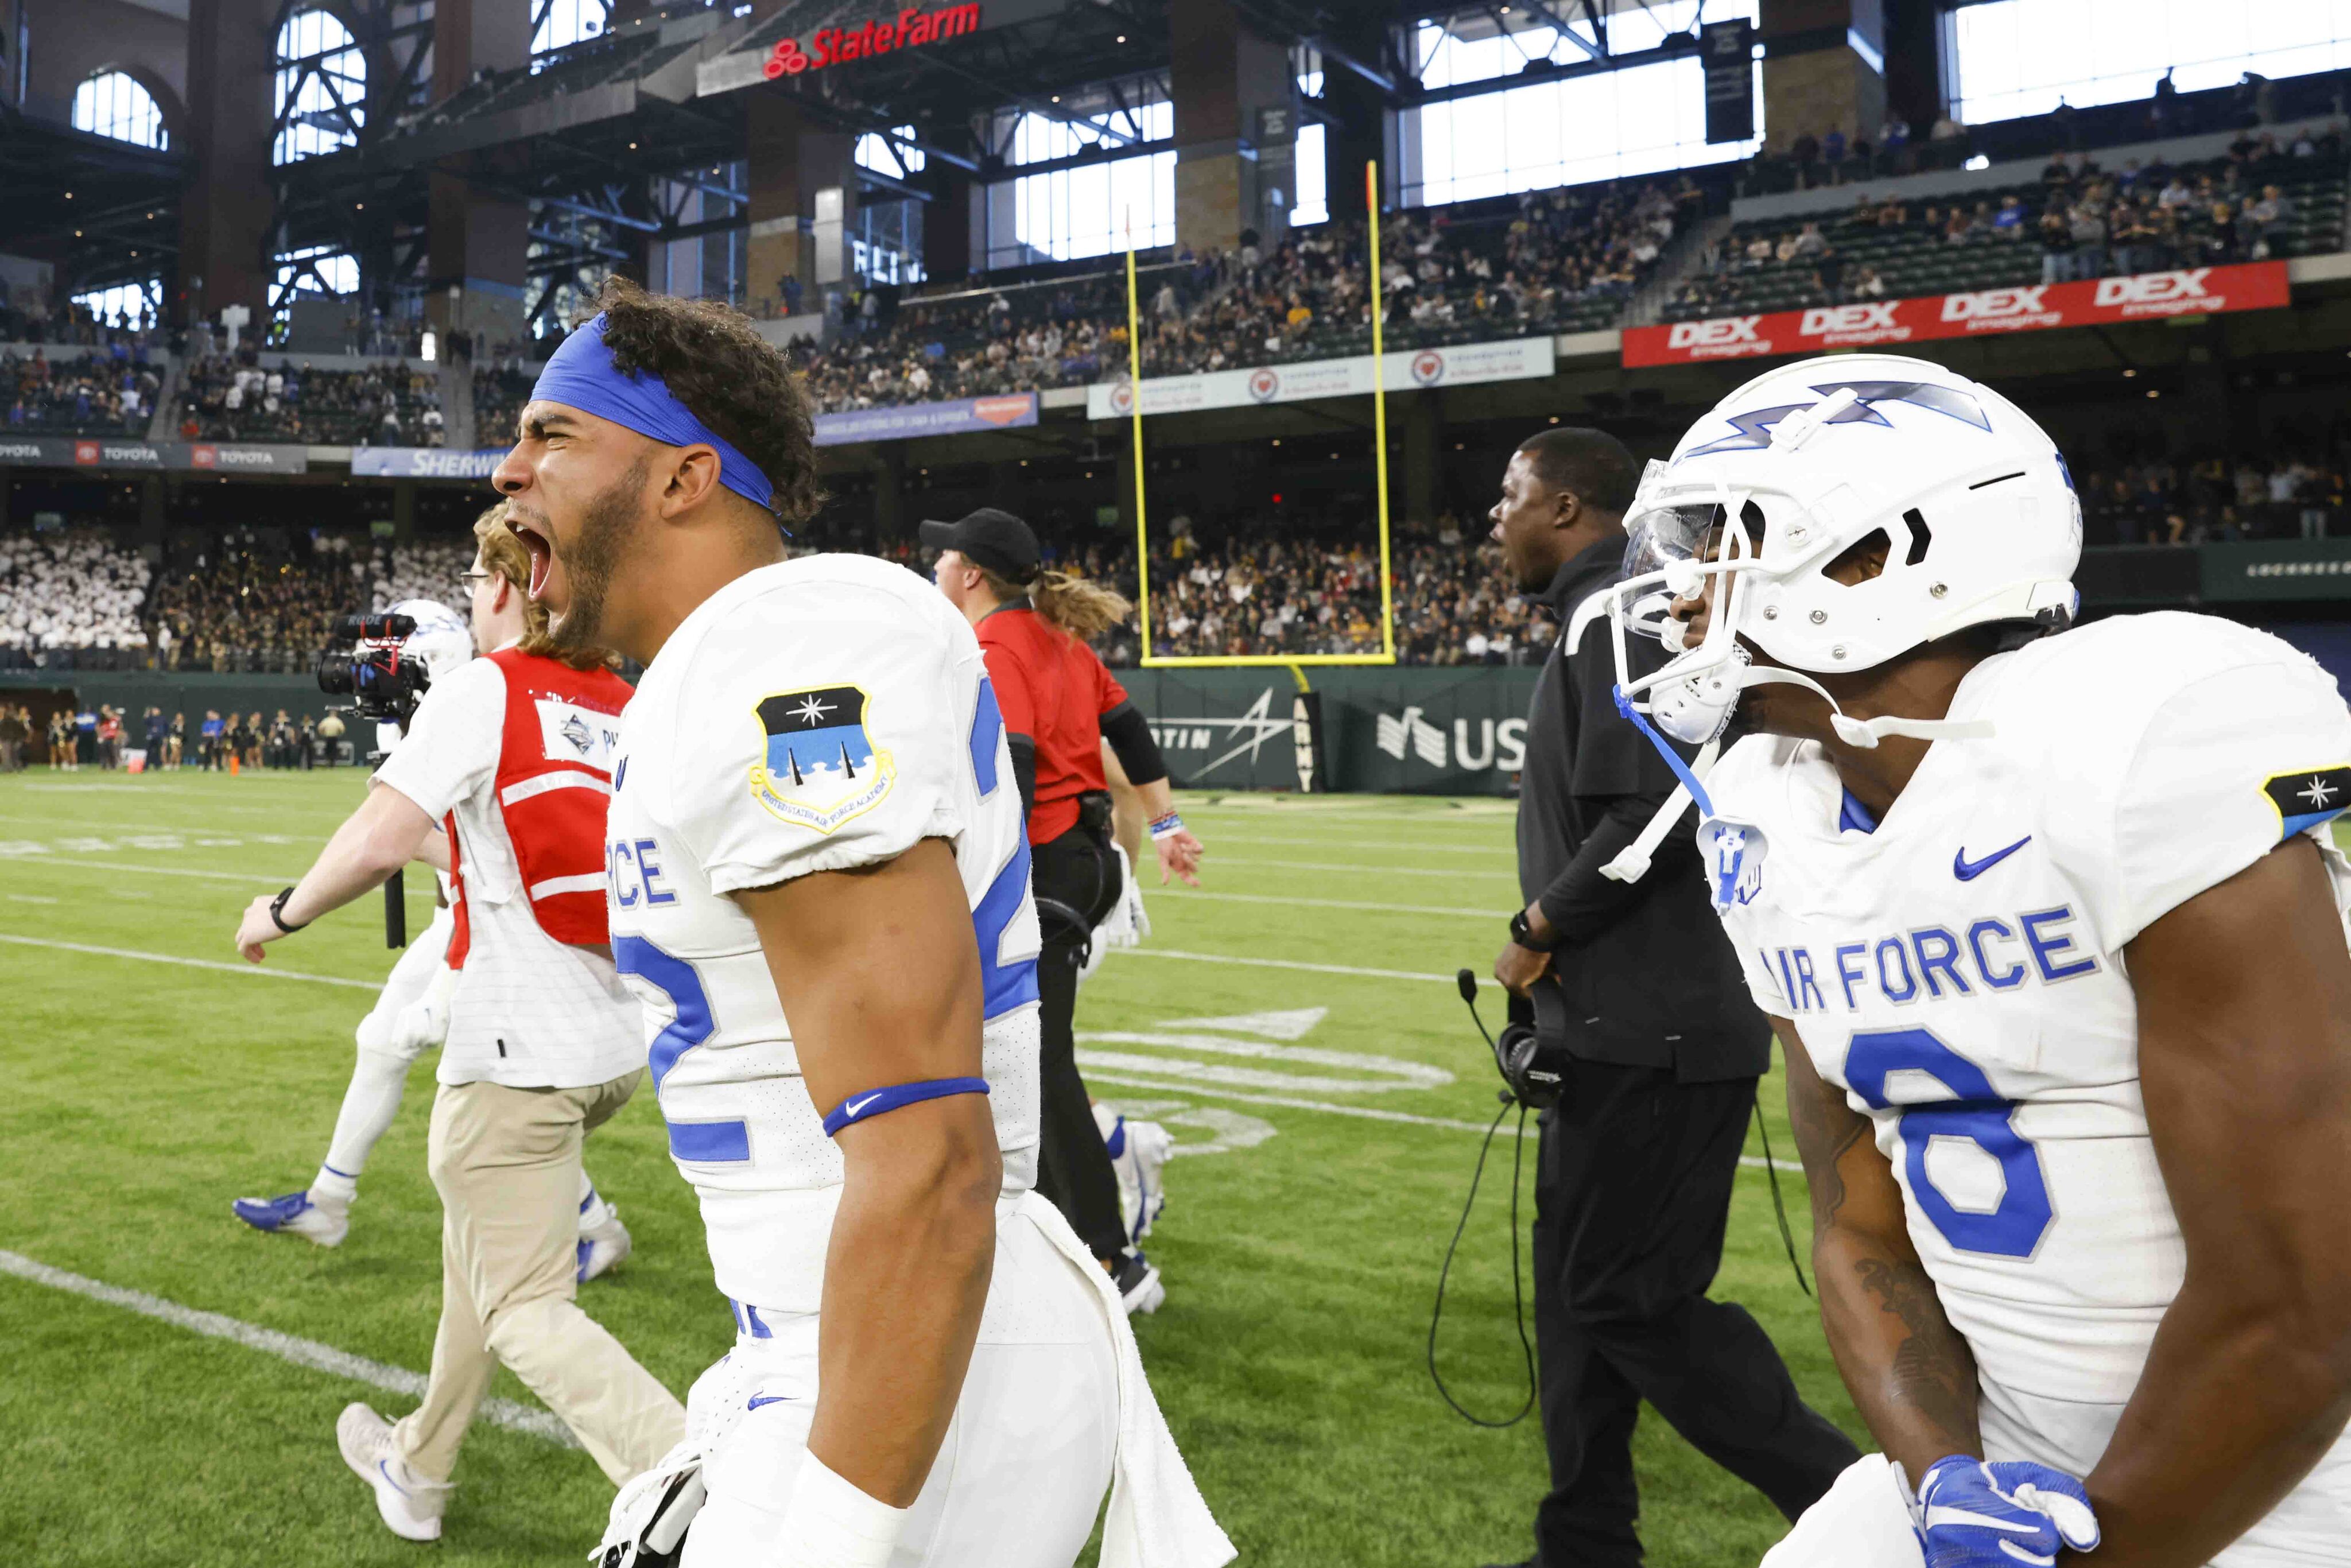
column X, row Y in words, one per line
column 1521, row 933
column 277, row 913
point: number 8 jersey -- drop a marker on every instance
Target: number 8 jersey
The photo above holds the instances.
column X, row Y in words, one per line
column 815, row 715
column 1957, row 968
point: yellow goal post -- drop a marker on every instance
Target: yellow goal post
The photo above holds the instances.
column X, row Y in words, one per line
column 1387, row 654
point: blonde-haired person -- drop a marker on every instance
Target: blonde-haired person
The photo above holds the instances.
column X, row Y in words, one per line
column 511, row 754
column 1059, row 704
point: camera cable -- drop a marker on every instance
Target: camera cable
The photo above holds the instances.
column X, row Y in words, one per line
column 1517, row 1288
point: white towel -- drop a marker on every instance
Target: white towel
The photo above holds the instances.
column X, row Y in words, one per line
column 1157, row 1517
column 1864, row 1521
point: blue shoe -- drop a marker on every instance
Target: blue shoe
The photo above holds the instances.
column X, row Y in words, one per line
column 296, row 1215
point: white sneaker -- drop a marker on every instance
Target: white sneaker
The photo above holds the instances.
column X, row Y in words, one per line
column 296, row 1214
column 1138, row 1155
column 409, row 1504
column 602, row 1245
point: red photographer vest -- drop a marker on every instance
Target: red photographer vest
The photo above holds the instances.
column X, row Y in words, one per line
column 553, row 784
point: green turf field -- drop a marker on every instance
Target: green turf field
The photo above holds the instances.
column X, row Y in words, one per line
column 1301, row 1247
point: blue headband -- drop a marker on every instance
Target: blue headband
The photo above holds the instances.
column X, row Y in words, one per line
column 581, row 375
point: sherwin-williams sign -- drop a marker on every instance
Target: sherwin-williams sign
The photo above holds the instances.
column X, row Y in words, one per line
column 2101, row 302
column 423, row 463
column 961, row 416
column 1460, row 365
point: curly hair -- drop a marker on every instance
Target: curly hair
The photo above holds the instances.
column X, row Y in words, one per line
column 726, row 375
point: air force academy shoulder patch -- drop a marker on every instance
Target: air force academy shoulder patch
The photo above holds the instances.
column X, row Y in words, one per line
column 821, row 768
column 2307, row 797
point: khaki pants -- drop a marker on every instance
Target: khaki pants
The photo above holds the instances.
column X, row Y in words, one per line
column 506, row 1165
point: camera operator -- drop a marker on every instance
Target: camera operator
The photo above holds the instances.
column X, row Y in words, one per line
column 511, row 754
column 1639, row 1000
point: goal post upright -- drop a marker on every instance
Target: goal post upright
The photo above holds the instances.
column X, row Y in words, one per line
column 1295, row 663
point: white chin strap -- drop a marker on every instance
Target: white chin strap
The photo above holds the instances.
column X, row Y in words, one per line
column 1865, row 734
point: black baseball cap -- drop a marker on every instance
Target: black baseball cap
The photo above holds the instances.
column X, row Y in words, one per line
column 995, row 539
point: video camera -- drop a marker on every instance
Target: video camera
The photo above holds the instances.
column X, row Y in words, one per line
column 373, row 669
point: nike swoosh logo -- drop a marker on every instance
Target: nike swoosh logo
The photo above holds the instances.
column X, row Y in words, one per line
column 857, row 1107
column 1967, row 870
column 759, row 1399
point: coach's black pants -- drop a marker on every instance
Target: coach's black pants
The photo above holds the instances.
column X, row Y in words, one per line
column 1632, row 1193
column 1073, row 1169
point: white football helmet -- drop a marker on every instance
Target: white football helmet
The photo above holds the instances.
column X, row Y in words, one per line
column 1977, row 509
column 442, row 638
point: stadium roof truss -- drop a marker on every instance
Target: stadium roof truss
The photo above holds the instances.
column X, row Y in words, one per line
column 110, row 209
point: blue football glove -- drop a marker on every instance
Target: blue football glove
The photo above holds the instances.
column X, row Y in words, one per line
column 1978, row 1514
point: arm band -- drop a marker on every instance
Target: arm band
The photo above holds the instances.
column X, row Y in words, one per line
column 881, row 1101
column 1129, row 734
column 1167, row 827
column 1024, row 768
column 829, row 1523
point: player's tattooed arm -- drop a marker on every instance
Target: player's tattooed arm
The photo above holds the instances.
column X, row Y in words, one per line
column 2245, row 1011
column 1910, row 1370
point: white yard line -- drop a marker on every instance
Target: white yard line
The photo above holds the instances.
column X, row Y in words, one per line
column 1173, row 896
column 1214, row 862
column 1351, row 843
column 1364, row 1112
column 1276, row 964
column 262, row 971
column 302, row 1352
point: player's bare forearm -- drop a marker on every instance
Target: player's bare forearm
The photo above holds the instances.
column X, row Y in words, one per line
column 878, row 972
column 2245, row 1000
column 1909, row 1371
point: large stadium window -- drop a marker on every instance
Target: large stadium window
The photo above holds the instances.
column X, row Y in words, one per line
column 893, row 157
column 1313, row 205
column 113, row 104
column 1070, row 212
column 558, row 23
column 1644, row 120
column 125, row 302
column 320, row 270
column 322, row 87
column 2022, row 57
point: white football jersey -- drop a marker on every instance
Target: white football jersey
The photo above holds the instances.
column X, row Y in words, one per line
column 1959, row 970
column 813, row 715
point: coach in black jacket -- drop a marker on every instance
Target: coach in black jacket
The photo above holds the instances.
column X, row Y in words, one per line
column 1632, row 1185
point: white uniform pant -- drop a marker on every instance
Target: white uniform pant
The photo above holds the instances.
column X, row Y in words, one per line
column 410, row 978
column 1027, row 1459
column 2310, row 1529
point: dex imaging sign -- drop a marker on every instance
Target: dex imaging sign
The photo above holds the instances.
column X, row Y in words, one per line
column 2025, row 307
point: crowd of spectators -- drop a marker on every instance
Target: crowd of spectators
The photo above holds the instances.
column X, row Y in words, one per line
column 27, row 317
column 237, row 398
column 1547, row 261
column 68, row 591
column 499, row 392
column 245, row 608
column 2081, row 222
column 101, row 391
column 2158, row 501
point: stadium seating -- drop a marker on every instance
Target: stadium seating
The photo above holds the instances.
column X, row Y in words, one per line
column 2144, row 220
column 390, row 404
column 94, row 393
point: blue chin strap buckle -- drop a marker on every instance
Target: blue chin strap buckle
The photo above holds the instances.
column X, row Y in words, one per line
column 1665, row 749
column 876, row 1103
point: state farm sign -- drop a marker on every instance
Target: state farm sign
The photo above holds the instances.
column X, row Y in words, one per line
column 2255, row 285
column 835, row 45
